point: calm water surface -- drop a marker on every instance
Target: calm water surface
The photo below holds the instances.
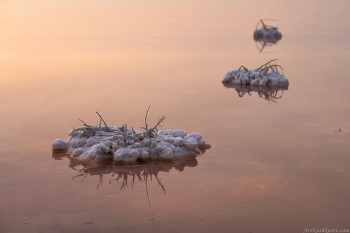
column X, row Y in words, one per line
column 273, row 167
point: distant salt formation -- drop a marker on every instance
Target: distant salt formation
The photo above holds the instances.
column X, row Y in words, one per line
column 270, row 94
column 266, row 35
column 125, row 145
column 265, row 75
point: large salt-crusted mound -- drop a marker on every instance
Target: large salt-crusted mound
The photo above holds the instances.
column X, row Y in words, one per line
column 265, row 75
column 271, row 94
column 125, row 145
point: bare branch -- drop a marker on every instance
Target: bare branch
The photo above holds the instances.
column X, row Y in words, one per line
column 146, row 117
column 160, row 120
column 267, row 63
column 82, row 121
column 101, row 119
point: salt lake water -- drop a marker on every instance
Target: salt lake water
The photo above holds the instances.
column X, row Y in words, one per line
column 273, row 167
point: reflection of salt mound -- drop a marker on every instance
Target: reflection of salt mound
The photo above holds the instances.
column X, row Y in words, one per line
column 125, row 145
column 266, row 35
column 265, row 75
column 94, row 167
column 141, row 171
column 266, row 93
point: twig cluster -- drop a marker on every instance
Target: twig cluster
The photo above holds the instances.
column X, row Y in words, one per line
column 263, row 69
column 142, row 177
column 264, row 26
column 271, row 65
column 122, row 134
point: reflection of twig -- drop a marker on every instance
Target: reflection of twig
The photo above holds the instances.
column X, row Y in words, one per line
column 100, row 182
column 145, row 178
column 263, row 44
column 160, row 184
column 139, row 176
column 270, row 94
column 110, row 182
column 80, row 173
column 241, row 94
column 133, row 180
column 83, row 178
column 143, row 171
column 125, row 181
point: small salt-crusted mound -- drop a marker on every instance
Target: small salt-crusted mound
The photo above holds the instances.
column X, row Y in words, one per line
column 265, row 75
column 125, row 145
column 266, row 33
column 267, row 36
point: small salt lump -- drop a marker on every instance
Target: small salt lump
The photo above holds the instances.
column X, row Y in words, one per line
column 266, row 33
column 266, row 75
column 60, row 145
column 124, row 145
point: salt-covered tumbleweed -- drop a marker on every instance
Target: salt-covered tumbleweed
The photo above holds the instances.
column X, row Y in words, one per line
column 125, row 145
column 266, row 75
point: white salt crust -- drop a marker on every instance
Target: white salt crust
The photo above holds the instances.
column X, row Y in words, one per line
column 60, row 145
column 109, row 143
column 256, row 77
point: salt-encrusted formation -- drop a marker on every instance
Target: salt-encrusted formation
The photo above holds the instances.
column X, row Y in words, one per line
column 266, row 33
column 265, row 75
column 125, row 145
column 265, row 92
